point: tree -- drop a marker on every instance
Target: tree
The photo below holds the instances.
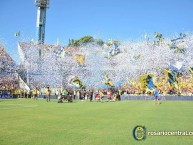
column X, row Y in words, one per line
column 82, row 41
column 85, row 40
column 99, row 42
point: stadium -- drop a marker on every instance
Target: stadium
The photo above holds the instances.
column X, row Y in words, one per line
column 92, row 91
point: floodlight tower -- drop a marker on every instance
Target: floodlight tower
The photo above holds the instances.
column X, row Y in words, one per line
column 41, row 19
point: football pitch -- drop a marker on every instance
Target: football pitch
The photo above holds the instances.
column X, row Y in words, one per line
column 37, row 122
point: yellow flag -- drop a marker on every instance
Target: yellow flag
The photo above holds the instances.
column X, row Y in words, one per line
column 191, row 69
column 172, row 78
column 77, row 82
column 108, row 81
column 146, row 82
column 80, row 59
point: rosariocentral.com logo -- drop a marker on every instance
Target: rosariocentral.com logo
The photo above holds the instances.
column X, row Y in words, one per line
column 140, row 132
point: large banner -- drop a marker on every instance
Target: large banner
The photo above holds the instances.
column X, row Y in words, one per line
column 23, row 85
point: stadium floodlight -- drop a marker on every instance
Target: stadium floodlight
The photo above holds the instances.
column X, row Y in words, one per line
column 42, row 3
column 41, row 19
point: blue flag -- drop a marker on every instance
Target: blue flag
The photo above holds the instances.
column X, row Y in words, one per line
column 150, row 83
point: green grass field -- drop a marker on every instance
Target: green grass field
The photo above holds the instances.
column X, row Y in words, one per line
column 31, row 122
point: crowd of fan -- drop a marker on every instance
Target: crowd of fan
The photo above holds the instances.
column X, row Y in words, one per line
column 8, row 80
column 8, row 83
column 113, row 94
column 11, row 84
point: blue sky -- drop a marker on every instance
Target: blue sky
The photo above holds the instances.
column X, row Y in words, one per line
column 116, row 19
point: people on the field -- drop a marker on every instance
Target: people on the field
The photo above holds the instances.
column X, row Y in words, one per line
column 156, row 95
column 48, row 94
